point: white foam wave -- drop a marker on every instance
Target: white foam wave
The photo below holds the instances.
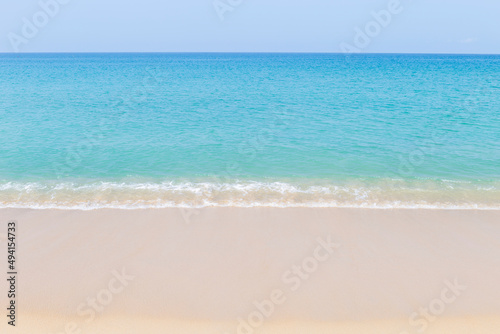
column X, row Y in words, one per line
column 382, row 194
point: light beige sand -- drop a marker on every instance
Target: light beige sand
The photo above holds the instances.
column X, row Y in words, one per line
column 205, row 271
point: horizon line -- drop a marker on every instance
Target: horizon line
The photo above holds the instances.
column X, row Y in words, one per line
column 250, row 52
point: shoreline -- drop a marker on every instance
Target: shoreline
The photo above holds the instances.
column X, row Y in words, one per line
column 212, row 266
column 379, row 193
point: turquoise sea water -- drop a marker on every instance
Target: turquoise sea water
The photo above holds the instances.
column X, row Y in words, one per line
column 155, row 130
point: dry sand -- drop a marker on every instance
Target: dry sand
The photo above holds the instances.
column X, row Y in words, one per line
column 231, row 270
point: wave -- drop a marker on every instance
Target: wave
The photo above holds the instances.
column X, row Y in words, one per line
column 381, row 193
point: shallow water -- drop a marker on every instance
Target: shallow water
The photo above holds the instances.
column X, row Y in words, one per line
column 155, row 130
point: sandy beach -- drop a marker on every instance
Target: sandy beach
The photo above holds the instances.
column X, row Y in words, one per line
column 254, row 270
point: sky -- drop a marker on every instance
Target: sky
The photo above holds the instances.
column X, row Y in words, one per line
column 371, row 26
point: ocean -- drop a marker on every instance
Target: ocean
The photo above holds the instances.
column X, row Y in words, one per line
column 385, row 131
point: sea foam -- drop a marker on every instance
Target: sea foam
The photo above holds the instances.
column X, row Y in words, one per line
column 382, row 194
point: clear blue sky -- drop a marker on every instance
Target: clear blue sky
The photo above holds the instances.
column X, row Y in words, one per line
column 429, row 26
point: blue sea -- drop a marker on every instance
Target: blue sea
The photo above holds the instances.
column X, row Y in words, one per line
column 191, row 130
